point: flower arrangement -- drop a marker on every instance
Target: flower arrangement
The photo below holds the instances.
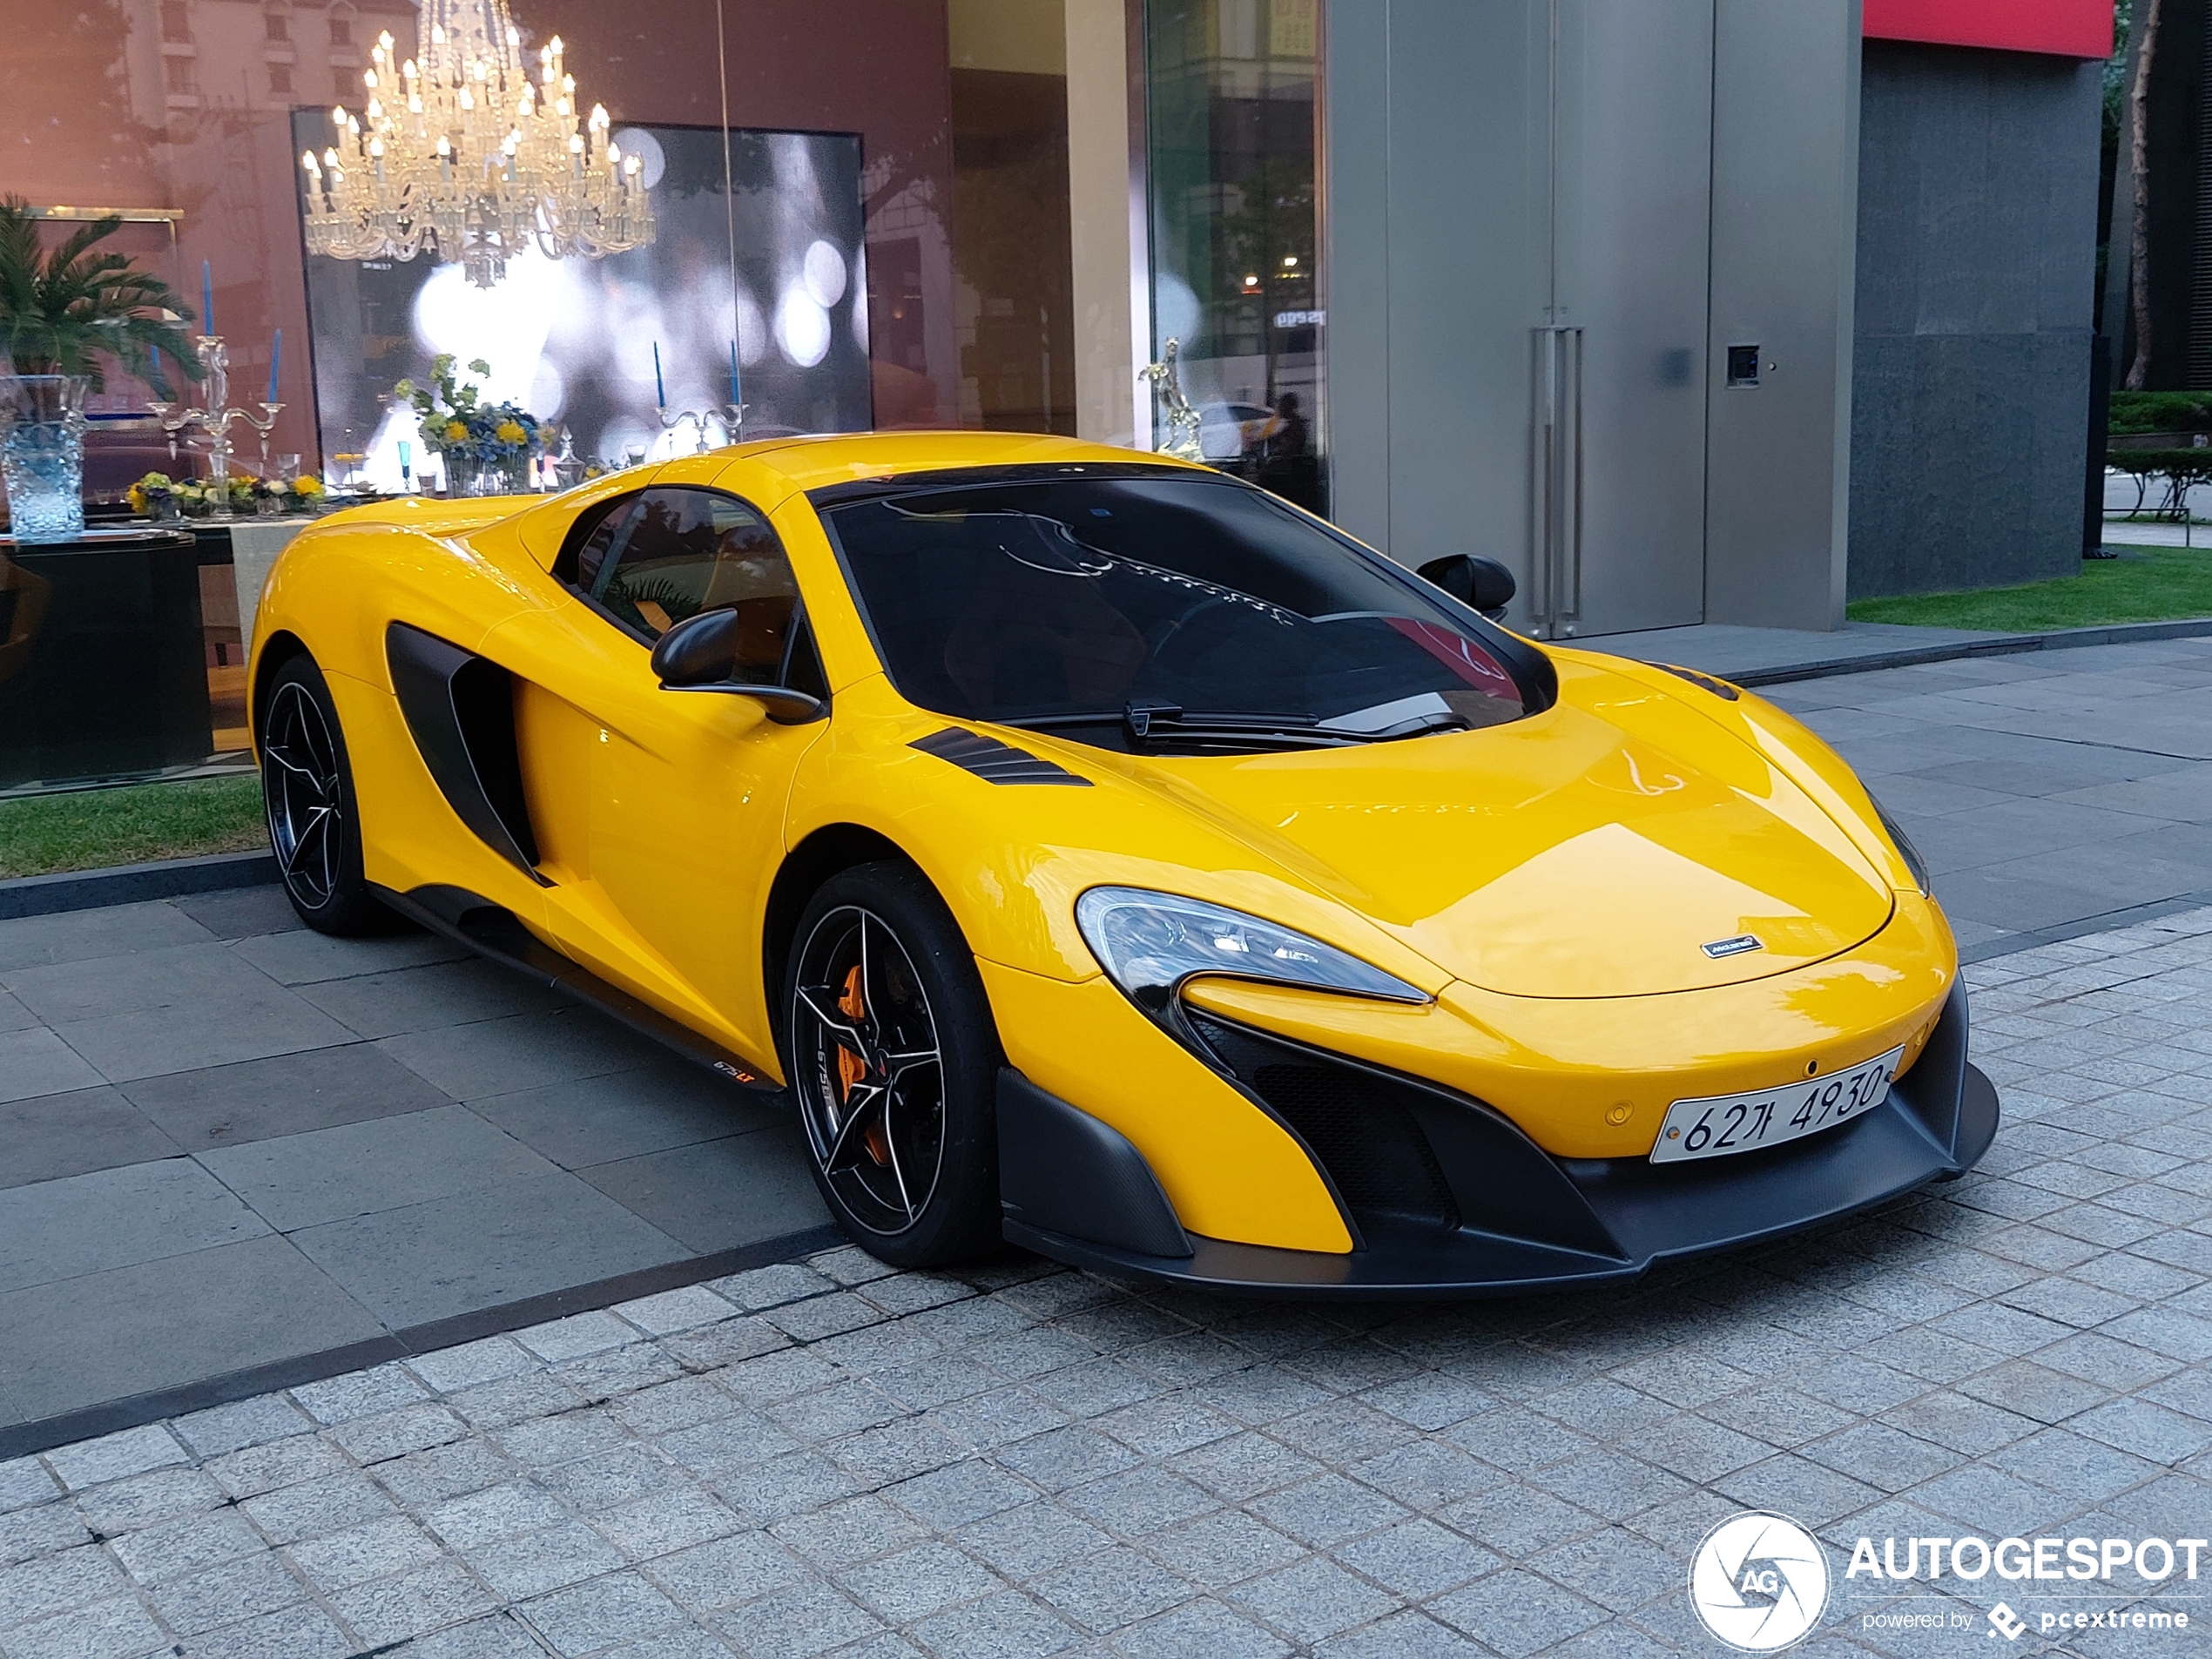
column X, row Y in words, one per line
column 462, row 427
column 159, row 495
column 152, row 494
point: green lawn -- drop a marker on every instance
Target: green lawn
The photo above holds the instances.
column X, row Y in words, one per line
column 2164, row 584
column 90, row 829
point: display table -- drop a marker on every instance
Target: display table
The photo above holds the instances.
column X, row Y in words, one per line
column 254, row 546
column 103, row 669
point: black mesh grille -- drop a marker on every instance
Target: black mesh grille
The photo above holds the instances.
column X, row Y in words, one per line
column 1355, row 1120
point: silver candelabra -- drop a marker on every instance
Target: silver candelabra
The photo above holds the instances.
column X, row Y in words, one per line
column 215, row 420
column 730, row 417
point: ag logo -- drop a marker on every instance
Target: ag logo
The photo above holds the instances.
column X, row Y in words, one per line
column 1758, row 1581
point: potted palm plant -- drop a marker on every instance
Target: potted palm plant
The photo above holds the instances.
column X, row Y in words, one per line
column 63, row 315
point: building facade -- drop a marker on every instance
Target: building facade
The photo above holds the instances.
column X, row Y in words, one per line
column 1687, row 310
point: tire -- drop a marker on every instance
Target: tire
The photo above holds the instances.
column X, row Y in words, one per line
column 893, row 1062
column 308, row 793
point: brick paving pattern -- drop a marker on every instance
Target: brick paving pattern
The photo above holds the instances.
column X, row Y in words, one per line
column 830, row 1458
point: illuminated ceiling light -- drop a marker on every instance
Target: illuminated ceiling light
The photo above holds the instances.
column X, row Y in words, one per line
column 475, row 161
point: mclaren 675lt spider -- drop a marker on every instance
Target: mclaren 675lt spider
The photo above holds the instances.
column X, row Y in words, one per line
column 1105, row 856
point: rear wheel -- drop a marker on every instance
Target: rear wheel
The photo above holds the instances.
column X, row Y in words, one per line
column 308, row 788
column 893, row 1062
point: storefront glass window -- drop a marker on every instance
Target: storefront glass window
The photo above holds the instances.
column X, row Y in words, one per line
column 1233, row 88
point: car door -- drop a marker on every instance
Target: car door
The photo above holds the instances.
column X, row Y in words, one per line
column 661, row 812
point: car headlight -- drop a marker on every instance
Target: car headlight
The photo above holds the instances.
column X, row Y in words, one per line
column 1906, row 850
column 1149, row 943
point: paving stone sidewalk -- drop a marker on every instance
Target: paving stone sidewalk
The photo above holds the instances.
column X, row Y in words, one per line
column 2050, row 792
column 226, row 1143
column 828, row 1458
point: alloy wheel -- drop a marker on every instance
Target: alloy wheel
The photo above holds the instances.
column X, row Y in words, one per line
column 299, row 782
column 869, row 1070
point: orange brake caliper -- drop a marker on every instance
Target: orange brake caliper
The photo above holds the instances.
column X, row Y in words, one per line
column 851, row 1067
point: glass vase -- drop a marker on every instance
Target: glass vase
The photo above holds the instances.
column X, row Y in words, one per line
column 508, row 476
column 42, row 454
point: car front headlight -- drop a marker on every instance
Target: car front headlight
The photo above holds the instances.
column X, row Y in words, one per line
column 1906, row 850
column 1149, row 943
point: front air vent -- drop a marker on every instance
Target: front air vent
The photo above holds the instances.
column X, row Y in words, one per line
column 993, row 761
column 1719, row 688
column 1350, row 1118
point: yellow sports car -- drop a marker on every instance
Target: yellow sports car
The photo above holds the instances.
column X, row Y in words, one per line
column 1107, row 856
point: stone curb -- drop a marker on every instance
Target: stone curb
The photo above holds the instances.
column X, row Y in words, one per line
column 48, row 895
column 2119, row 633
column 23, row 1439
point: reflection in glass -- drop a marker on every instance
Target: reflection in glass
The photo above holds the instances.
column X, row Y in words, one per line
column 1232, row 90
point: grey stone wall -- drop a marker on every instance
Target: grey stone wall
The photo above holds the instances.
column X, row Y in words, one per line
column 1977, row 252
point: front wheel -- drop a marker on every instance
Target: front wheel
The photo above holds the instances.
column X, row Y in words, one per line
column 307, row 787
column 893, row 1062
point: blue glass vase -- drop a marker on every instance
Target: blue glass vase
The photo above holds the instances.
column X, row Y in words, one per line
column 42, row 455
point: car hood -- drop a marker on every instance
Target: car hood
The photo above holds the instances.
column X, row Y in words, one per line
column 1594, row 850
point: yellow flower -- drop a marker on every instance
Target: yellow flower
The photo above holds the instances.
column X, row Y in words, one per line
column 306, row 486
column 456, row 432
column 136, row 497
column 511, row 432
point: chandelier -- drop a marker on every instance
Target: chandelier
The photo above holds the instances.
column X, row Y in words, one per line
column 463, row 153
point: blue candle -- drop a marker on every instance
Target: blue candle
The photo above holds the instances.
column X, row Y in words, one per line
column 736, row 396
column 660, row 392
column 157, row 368
column 276, row 352
column 207, row 299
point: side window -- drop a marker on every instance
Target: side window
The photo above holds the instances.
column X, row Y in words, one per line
column 686, row 550
column 584, row 548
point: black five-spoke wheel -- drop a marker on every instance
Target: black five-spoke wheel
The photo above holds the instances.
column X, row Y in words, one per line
column 301, row 785
column 893, row 1063
column 307, row 787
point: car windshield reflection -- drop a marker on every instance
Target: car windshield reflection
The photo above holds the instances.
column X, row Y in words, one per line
column 1168, row 613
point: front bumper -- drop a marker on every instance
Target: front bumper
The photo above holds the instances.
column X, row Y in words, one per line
column 1499, row 1215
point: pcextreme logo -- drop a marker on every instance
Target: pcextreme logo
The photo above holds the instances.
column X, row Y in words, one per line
column 1759, row 1581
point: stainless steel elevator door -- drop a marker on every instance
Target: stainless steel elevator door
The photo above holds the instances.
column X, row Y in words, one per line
column 1519, row 209
column 1632, row 194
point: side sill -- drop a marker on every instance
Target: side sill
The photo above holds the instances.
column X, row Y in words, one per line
column 498, row 935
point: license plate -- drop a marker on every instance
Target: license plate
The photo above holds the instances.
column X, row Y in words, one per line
column 1718, row 1124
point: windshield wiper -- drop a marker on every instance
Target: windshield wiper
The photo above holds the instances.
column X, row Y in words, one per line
column 1405, row 716
column 1169, row 722
column 1155, row 722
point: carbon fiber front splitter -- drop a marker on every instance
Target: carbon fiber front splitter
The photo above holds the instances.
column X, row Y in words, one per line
column 1622, row 1216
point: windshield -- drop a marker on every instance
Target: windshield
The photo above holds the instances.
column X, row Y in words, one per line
column 1185, row 613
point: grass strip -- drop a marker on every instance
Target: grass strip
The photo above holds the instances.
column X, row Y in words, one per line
column 91, row 829
column 2162, row 584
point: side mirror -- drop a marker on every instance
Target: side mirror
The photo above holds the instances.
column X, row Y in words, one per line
column 1481, row 583
column 700, row 654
